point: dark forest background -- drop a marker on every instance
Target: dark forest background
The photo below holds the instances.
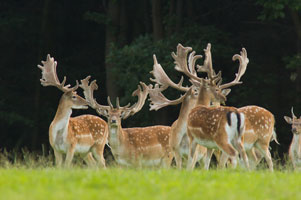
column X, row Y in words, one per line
column 114, row 42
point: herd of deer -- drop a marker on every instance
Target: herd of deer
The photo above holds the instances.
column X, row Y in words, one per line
column 202, row 127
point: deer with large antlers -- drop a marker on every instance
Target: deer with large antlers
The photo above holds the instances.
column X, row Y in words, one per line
column 213, row 127
column 295, row 147
column 147, row 146
column 259, row 122
column 204, row 91
column 85, row 135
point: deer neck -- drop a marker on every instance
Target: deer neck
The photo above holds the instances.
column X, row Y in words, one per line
column 59, row 126
column 115, row 136
column 203, row 98
column 297, row 144
column 187, row 105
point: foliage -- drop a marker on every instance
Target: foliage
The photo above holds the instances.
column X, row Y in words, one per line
column 133, row 62
column 274, row 9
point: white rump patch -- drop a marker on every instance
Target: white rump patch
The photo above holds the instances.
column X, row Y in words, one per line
column 231, row 130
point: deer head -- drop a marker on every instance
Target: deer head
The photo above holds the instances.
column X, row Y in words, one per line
column 49, row 78
column 114, row 115
column 295, row 122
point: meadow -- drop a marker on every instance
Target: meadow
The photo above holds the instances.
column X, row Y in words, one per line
column 29, row 176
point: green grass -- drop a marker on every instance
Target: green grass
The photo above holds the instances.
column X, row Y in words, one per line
column 117, row 183
column 28, row 175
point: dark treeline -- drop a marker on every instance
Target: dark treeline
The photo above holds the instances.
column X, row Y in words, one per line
column 114, row 42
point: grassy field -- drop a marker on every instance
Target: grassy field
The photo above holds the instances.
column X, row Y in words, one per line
column 30, row 176
column 117, row 183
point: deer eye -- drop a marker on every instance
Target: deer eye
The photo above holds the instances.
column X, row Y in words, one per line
column 73, row 97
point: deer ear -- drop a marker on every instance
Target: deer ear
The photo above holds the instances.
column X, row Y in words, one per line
column 288, row 119
column 225, row 92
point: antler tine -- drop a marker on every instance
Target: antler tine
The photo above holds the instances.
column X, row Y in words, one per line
column 191, row 62
column 49, row 75
column 208, row 68
column 142, row 95
column 243, row 63
column 181, row 62
column 162, row 78
column 117, row 103
column 158, row 100
column 88, row 93
column 110, row 103
column 292, row 111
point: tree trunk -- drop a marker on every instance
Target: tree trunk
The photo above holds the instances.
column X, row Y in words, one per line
column 123, row 37
column 179, row 15
column 44, row 44
column 297, row 23
column 112, row 30
column 157, row 20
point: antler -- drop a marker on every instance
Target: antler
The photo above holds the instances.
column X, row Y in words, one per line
column 88, row 93
column 162, row 78
column 243, row 62
column 158, row 100
column 181, row 62
column 208, row 68
column 49, row 76
column 142, row 95
column 292, row 111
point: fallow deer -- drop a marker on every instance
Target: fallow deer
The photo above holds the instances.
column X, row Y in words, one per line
column 147, row 146
column 178, row 138
column 205, row 89
column 295, row 147
column 259, row 123
column 73, row 135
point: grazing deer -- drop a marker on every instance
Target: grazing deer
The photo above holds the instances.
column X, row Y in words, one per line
column 147, row 146
column 204, row 90
column 295, row 147
column 68, row 135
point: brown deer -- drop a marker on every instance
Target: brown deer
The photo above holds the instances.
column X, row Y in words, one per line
column 295, row 147
column 147, row 146
column 68, row 135
column 178, row 137
column 259, row 122
column 204, row 91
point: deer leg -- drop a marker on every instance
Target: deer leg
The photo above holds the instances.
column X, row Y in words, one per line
column 89, row 160
column 208, row 158
column 58, row 158
column 98, row 154
column 167, row 160
column 230, row 151
column 242, row 153
column 69, row 155
column 264, row 149
column 174, row 143
column 252, row 158
column 223, row 160
column 192, row 149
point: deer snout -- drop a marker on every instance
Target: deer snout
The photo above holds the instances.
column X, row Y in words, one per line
column 294, row 130
column 113, row 121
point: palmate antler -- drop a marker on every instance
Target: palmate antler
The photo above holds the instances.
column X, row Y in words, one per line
column 141, row 92
column 243, row 62
column 88, row 93
column 158, row 100
column 163, row 80
column 49, row 76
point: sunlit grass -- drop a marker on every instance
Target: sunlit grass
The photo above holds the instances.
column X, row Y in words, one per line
column 33, row 176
